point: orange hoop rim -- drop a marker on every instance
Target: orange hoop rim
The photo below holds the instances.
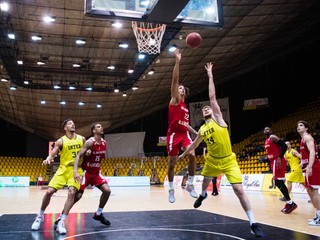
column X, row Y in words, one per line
column 134, row 25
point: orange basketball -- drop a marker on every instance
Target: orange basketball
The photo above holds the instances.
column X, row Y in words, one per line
column 193, row 40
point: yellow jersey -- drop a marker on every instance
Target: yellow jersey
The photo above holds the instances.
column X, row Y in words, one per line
column 217, row 139
column 292, row 160
column 70, row 149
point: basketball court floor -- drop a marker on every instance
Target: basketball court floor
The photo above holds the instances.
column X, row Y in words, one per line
column 145, row 213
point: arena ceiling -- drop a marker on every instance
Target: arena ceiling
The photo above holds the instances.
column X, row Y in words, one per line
column 253, row 34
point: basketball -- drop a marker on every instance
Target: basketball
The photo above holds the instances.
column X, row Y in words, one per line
column 193, row 40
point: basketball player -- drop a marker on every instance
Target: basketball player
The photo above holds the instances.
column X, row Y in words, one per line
column 275, row 149
column 311, row 162
column 91, row 166
column 69, row 145
column 219, row 157
column 293, row 158
column 178, row 136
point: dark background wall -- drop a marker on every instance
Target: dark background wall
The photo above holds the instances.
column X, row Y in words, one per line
column 289, row 83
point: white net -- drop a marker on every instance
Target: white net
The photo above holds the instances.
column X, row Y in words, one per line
column 149, row 36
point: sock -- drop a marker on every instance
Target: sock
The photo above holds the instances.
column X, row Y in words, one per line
column 170, row 184
column 63, row 217
column 99, row 211
column 190, row 179
column 318, row 213
column 250, row 216
column 203, row 193
column 289, row 202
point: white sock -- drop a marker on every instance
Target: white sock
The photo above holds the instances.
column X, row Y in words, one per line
column 170, row 184
column 63, row 217
column 190, row 179
column 250, row 216
column 99, row 211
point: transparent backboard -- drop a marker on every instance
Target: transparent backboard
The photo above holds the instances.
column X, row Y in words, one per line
column 173, row 12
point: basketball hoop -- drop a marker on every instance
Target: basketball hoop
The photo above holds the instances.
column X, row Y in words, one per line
column 148, row 36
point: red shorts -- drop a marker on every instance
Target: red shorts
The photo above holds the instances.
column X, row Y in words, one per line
column 314, row 179
column 93, row 179
column 177, row 141
column 279, row 172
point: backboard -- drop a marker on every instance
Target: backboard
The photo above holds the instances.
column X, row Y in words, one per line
column 182, row 12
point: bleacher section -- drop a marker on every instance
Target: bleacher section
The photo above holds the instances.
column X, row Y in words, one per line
column 23, row 166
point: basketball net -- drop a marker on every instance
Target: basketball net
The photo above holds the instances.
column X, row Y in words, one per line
column 149, row 36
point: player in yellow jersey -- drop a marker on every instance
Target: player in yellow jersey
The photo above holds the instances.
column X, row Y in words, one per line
column 69, row 146
column 293, row 158
column 219, row 157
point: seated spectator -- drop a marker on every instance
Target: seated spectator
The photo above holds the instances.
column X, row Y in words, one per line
column 40, row 181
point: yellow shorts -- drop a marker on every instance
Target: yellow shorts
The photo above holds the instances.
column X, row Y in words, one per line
column 296, row 176
column 64, row 176
column 213, row 167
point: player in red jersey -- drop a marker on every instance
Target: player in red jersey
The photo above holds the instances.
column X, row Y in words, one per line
column 91, row 166
column 275, row 149
column 178, row 137
column 311, row 166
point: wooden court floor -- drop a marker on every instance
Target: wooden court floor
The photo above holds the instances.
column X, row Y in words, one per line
column 150, row 204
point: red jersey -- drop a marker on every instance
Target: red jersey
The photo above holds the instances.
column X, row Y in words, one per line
column 91, row 163
column 178, row 117
column 304, row 151
column 273, row 150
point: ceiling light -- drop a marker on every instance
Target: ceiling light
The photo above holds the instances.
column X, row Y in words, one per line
column 36, row 38
column 117, row 24
column 43, row 101
column 26, row 82
column 172, row 48
column 116, row 90
column 72, row 87
column 123, row 45
column 80, row 41
column 141, row 56
column 13, row 88
column 76, row 65
column 62, row 102
column 4, row 7
column 56, row 86
column 151, row 72
column 111, row 67
column 145, row 2
column 11, row 36
column 49, row 19
column 130, row 71
column 4, row 80
column 41, row 63
column 135, row 88
column 20, row 62
column 124, row 94
column 89, row 88
column 99, row 105
column 82, row 103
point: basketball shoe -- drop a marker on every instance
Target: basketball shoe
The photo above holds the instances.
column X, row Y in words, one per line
column 55, row 226
column 172, row 199
column 101, row 218
column 190, row 189
column 255, row 229
column 314, row 222
column 61, row 228
column 199, row 200
column 289, row 208
column 37, row 223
